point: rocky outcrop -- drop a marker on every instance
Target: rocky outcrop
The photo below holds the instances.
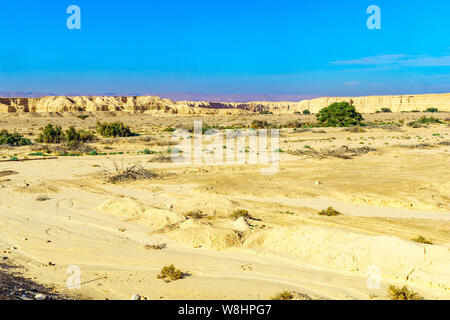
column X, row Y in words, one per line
column 153, row 104
column 374, row 103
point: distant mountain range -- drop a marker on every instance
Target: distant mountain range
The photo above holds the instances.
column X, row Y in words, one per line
column 176, row 96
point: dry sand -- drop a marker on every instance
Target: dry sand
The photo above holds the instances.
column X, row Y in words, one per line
column 59, row 213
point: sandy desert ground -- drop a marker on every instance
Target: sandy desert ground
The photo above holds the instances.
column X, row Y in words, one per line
column 57, row 213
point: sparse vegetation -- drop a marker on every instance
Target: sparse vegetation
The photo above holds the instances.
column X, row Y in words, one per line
column 329, row 212
column 339, row 114
column 238, row 213
column 291, row 295
column 157, row 246
column 114, row 129
column 195, row 214
column 285, row 295
column 306, row 111
column 396, row 293
column 72, row 137
column 433, row 110
column 260, row 124
column 343, row 152
column 130, row 173
column 13, row 139
column 355, row 130
column 421, row 239
column 170, row 273
column 83, row 116
column 423, row 121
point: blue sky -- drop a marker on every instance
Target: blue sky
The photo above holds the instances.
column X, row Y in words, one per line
column 303, row 47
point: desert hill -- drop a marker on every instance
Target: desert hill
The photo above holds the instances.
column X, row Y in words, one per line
column 154, row 104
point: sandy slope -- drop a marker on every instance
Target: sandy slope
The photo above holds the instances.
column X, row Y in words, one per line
column 388, row 197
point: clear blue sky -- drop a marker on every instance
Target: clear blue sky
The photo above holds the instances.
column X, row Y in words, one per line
column 312, row 47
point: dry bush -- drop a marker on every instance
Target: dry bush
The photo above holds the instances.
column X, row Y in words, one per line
column 329, row 212
column 421, row 239
column 404, row 293
column 164, row 143
column 421, row 146
column 444, row 143
column 163, row 156
column 240, row 213
column 285, row 295
column 354, row 130
column 158, row 246
column 170, row 273
column 130, row 173
column 291, row 295
column 42, row 198
column 196, row 214
column 342, row 152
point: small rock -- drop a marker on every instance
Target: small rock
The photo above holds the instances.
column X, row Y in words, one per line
column 40, row 296
column 135, row 297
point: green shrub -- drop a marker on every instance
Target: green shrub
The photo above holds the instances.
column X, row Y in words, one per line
column 51, row 134
column 306, row 111
column 83, row 116
column 13, row 139
column 425, row 120
column 72, row 136
column 169, row 129
column 114, row 129
column 339, row 114
column 265, row 112
column 431, row 110
column 385, row 110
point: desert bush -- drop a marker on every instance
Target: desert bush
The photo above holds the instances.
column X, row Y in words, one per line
column 433, row 110
column 259, row 124
column 170, row 273
column 130, row 173
column 83, row 116
column 339, row 114
column 51, row 134
column 421, row 239
column 291, row 295
column 423, row 121
column 169, row 129
column 240, row 213
column 355, row 130
column 342, row 152
column 396, row 293
column 426, row 120
column 114, row 129
column 72, row 137
column 13, row 139
column 158, row 246
column 195, row 214
column 306, row 111
column 265, row 112
column 285, row 295
column 384, row 110
column 329, row 212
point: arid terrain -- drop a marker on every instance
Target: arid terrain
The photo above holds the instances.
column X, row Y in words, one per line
column 390, row 182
